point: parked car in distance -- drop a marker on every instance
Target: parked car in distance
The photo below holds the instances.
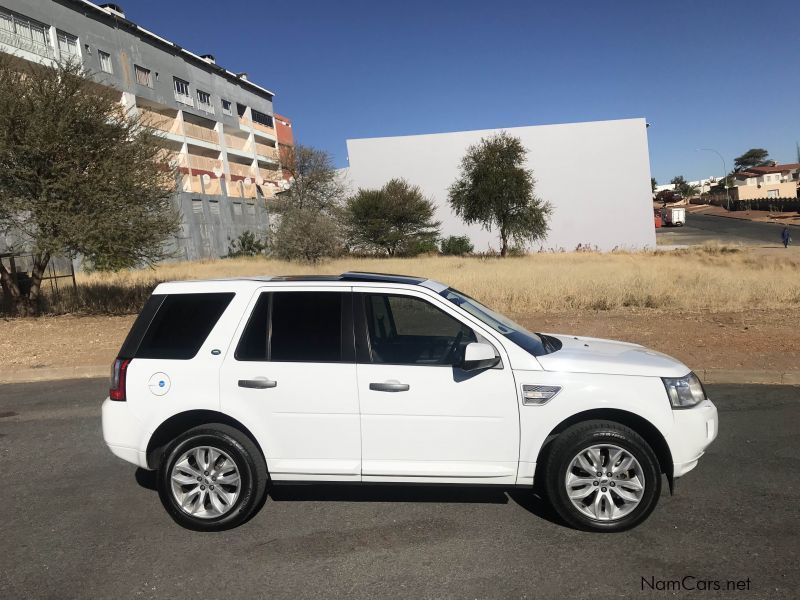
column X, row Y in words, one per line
column 225, row 387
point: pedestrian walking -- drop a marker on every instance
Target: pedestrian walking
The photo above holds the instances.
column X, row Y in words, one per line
column 786, row 237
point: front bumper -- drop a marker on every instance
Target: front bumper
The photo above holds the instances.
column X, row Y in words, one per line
column 122, row 432
column 694, row 429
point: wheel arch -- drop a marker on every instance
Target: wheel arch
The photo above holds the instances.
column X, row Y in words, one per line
column 640, row 425
column 182, row 422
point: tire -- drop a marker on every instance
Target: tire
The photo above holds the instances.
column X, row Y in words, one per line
column 225, row 452
column 604, row 504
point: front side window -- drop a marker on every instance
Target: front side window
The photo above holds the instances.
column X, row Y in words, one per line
column 411, row 331
column 226, row 107
column 182, row 324
column 181, row 87
column 294, row 327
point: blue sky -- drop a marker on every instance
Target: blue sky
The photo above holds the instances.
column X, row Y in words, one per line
column 719, row 74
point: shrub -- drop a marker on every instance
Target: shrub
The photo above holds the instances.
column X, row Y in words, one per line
column 457, row 245
column 306, row 235
column 246, row 244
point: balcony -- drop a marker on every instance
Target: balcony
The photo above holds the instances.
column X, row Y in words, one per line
column 158, row 121
column 240, row 170
column 200, row 133
column 268, row 151
column 203, row 163
column 27, row 44
column 205, row 107
column 235, row 142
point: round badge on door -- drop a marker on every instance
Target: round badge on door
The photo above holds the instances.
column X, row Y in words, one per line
column 159, row 384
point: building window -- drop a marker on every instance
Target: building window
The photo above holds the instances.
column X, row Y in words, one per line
column 197, row 206
column 182, row 93
column 261, row 118
column 226, row 107
column 143, row 76
column 237, row 209
column 105, row 62
column 773, row 193
column 213, row 207
column 24, row 34
column 68, row 46
column 251, row 209
column 204, row 101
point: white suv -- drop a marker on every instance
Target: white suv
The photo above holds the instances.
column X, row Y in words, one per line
column 225, row 386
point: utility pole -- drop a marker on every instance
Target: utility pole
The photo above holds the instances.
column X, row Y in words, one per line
column 724, row 176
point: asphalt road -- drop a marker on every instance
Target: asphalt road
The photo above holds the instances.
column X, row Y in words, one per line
column 701, row 228
column 79, row 523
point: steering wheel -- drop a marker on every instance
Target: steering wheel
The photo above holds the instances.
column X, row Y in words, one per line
column 448, row 357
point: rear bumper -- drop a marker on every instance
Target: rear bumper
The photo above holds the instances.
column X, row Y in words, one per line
column 695, row 428
column 122, row 432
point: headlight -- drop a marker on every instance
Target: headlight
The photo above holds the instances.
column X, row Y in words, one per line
column 684, row 392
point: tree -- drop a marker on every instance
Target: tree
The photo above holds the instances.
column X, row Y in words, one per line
column 395, row 219
column 755, row 157
column 653, row 184
column 78, row 176
column 306, row 234
column 496, row 190
column 315, row 182
column 684, row 188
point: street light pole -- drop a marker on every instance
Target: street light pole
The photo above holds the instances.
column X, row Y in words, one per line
column 724, row 175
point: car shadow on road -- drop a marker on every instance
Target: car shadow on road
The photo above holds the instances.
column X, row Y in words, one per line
column 531, row 500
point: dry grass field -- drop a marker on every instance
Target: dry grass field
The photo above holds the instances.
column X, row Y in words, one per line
column 712, row 307
column 707, row 278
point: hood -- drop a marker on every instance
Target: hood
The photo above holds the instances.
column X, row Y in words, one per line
column 595, row 355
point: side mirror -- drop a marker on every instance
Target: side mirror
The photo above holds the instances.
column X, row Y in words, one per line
column 479, row 356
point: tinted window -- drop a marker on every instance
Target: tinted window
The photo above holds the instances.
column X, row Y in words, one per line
column 408, row 330
column 306, row 327
column 182, row 324
column 253, row 343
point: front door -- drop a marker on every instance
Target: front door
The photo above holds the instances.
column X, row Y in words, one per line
column 292, row 375
column 423, row 419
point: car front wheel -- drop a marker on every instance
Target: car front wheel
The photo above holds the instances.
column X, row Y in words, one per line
column 602, row 476
column 212, row 478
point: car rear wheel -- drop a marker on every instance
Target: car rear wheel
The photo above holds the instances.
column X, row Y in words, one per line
column 602, row 476
column 212, row 478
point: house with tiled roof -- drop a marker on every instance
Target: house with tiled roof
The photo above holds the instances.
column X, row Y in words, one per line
column 771, row 181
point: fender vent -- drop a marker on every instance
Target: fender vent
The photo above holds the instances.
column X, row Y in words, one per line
column 536, row 395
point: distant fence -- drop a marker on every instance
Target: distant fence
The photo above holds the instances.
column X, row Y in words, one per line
column 765, row 204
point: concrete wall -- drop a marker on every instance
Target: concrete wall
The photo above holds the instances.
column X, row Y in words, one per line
column 596, row 175
column 786, row 189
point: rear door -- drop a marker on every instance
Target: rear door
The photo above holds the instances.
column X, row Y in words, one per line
column 292, row 374
column 423, row 419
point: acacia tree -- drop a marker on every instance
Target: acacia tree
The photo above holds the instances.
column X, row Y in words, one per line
column 315, row 183
column 495, row 189
column 395, row 219
column 78, row 176
column 310, row 209
column 755, row 157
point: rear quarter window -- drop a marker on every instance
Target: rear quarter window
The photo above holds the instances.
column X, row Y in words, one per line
column 181, row 325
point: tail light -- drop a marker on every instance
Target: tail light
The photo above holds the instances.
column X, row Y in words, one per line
column 119, row 373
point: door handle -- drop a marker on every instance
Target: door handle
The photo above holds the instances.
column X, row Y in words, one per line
column 261, row 383
column 389, row 386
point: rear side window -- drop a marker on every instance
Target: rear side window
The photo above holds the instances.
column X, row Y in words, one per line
column 181, row 325
column 297, row 327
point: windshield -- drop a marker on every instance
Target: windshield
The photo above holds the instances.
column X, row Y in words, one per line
column 532, row 342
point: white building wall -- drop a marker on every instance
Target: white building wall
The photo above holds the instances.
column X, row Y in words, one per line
column 596, row 175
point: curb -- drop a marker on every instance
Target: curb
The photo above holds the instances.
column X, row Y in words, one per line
column 742, row 218
column 54, row 374
column 706, row 375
